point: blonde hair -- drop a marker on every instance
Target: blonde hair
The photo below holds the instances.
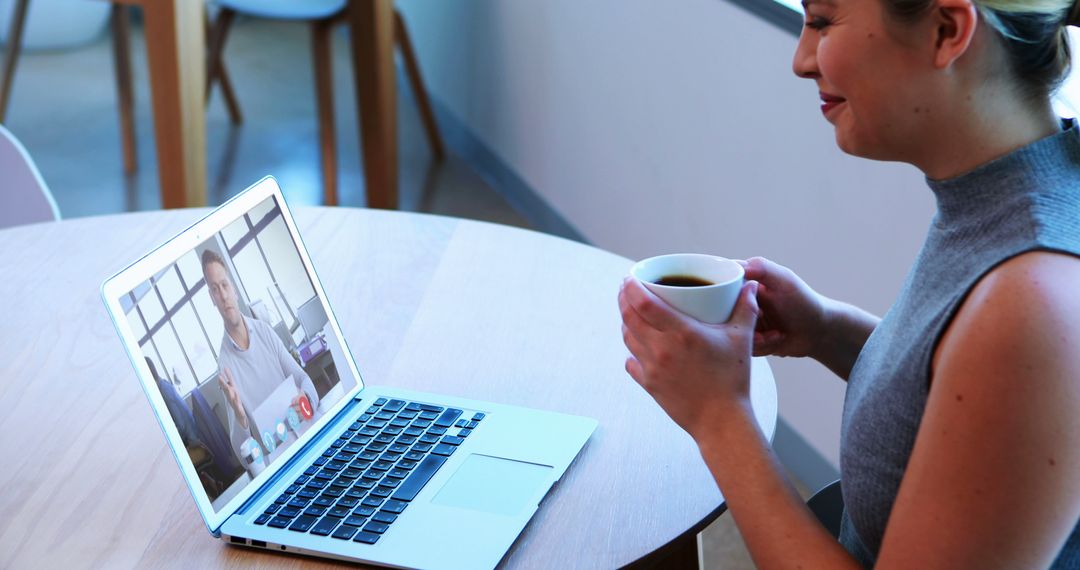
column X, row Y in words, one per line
column 1033, row 31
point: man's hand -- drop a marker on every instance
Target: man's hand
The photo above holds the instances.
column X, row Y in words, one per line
column 232, row 395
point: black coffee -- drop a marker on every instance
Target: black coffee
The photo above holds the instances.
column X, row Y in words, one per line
column 683, row 281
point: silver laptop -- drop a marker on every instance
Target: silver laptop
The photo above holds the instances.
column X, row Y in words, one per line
column 297, row 454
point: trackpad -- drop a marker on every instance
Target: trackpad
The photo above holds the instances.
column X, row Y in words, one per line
column 493, row 485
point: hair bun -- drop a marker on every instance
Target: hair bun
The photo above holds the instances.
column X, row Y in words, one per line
column 1073, row 18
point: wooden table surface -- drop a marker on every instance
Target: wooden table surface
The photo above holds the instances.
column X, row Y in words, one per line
column 428, row 303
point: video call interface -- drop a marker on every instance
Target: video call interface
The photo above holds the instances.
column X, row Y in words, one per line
column 240, row 347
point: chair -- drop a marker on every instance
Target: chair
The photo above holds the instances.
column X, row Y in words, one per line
column 120, row 28
column 322, row 15
column 828, row 506
column 24, row 197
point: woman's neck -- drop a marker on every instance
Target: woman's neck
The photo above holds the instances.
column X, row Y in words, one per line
column 988, row 125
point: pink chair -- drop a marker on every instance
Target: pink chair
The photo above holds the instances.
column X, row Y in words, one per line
column 24, row 197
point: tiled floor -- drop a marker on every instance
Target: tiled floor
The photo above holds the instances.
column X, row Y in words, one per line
column 64, row 110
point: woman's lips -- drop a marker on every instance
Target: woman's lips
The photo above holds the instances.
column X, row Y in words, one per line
column 829, row 102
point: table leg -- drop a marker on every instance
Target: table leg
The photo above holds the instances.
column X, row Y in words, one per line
column 371, row 24
column 685, row 553
column 176, row 50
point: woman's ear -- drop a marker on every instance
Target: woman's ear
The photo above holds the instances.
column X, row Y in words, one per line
column 955, row 22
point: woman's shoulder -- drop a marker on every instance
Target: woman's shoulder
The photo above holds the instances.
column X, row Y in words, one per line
column 1026, row 305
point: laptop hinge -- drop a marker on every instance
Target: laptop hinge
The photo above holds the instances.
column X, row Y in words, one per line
column 270, row 483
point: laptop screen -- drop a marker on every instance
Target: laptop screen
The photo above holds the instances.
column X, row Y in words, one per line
column 239, row 344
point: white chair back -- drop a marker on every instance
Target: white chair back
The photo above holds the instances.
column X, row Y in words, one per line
column 24, row 197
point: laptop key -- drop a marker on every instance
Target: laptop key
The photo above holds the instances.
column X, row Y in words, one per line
column 303, row 524
column 339, row 512
column 385, row 415
column 262, row 519
column 355, row 520
column 374, row 409
column 298, row 503
column 354, row 494
column 306, row 493
column 464, row 433
column 451, row 440
column 363, row 511
column 389, row 482
column 429, row 438
column 437, row 431
column 334, row 492
column 430, row 408
column 314, row 511
column 380, row 401
column 288, row 512
column 422, row 447
column 366, row 537
column 414, row 455
column 345, row 532
column 384, row 517
column 280, row 522
column 413, row 407
column 419, row 477
column 381, row 492
column 397, row 473
column 325, row 526
column 324, row 501
column 407, row 414
column 443, row 449
column 284, row 498
column 394, row 405
column 394, row 506
column 373, row 502
column 347, row 501
column 407, row 464
column 478, row 416
column 273, row 508
column 376, row 527
column 448, row 417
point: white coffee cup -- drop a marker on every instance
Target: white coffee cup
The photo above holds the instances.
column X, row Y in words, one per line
column 711, row 303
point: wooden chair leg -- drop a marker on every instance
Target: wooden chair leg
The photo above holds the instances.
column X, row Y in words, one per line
column 125, row 93
column 412, row 69
column 11, row 54
column 216, row 35
column 324, row 96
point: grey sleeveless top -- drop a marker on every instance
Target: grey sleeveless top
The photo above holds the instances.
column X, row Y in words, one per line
column 1027, row 200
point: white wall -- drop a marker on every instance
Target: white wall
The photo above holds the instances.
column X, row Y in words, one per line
column 656, row 127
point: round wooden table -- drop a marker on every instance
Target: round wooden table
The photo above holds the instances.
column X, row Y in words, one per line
column 428, row 303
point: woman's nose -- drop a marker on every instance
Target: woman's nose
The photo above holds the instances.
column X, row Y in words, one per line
column 804, row 63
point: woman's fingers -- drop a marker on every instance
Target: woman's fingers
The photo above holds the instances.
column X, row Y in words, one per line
column 652, row 310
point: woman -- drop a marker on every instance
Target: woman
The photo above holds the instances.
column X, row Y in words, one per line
column 961, row 428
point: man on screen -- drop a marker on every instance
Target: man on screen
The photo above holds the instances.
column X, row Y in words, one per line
column 252, row 361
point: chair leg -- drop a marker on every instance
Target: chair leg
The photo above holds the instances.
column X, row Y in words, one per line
column 324, row 96
column 124, row 88
column 412, row 69
column 11, row 54
column 216, row 35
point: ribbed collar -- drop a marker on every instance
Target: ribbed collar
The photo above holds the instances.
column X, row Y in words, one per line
column 1026, row 169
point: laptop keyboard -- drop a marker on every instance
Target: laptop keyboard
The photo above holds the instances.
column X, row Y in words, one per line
column 368, row 475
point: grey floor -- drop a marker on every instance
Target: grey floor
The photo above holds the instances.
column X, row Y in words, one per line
column 63, row 109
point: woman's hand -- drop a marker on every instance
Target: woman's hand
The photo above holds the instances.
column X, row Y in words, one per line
column 793, row 316
column 695, row 371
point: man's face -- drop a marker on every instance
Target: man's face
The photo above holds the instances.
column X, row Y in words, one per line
column 222, row 293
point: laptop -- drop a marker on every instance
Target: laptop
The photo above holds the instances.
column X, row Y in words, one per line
column 354, row 472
